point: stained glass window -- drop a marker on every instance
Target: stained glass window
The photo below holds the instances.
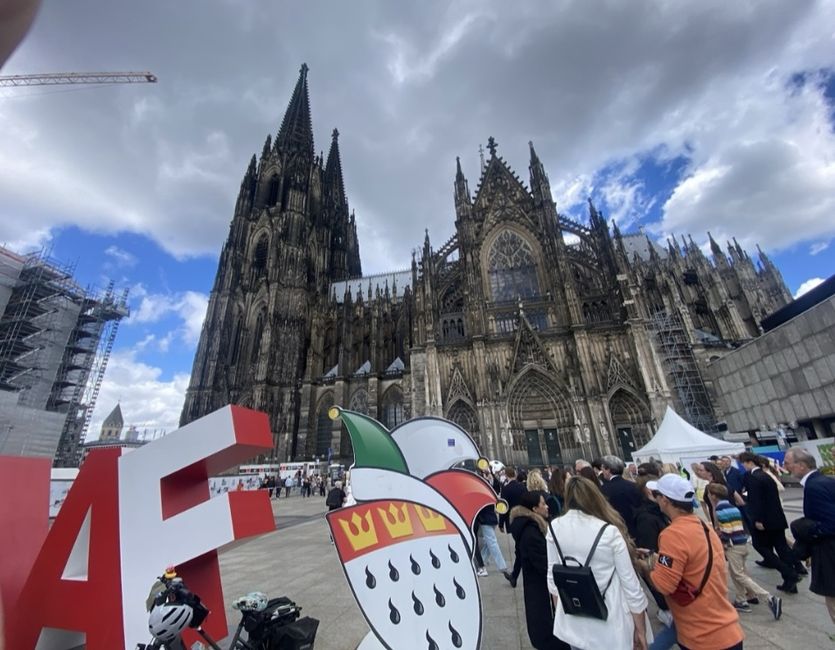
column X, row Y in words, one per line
column 511, row 268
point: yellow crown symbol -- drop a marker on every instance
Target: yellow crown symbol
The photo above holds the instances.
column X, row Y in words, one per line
column 362, row 538
column 431, row 520
column 398, row 524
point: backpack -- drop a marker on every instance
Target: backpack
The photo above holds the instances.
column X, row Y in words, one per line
column 334, row 498
column 577, row 586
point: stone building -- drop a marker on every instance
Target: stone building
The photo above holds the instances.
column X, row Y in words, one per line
column 784, row 380
column 546, row 338
column 111, row 428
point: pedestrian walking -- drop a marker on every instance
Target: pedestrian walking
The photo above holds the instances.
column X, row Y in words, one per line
column 528, row 526
column 624, row 496
column 815, row 533
column 594, row 533
column 731, row 531
column 487, row 521
column 689, row 570
column 768, row 522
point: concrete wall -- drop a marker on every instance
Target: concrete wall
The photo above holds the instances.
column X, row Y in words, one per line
column 27, row 431
column 786, row 376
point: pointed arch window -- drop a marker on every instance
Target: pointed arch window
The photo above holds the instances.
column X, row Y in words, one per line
column 235, row 350
column 257, row 335
column 393, row 407
column 511, row 268
column 272, row 192
column 463, row 415
column 260, row 256
column 324, row 426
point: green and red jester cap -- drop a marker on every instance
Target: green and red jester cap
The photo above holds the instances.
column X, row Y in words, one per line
column 406, row 546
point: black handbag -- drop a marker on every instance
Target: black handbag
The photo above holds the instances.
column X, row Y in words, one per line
column 577, row 586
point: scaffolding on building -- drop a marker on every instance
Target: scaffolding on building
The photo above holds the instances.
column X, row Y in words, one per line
column 55, row 341
column 682, row 370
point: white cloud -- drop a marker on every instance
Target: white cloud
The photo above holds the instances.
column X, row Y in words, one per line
column 190, row 306
column 807, row 286
column 147, row 401
column 818, row 247
column 412, row 85
column 120, row 256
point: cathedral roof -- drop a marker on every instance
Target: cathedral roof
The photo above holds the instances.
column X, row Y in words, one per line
column 392, row 279
column 640, row 244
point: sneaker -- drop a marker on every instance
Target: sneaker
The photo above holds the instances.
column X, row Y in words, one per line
column 481, row 573
column 509, row 577
column 788, row 587
column 775, row 604
column 743, row 607
column 665, row 617
column 753, row 601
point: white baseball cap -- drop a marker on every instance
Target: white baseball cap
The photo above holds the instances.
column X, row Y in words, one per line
column 673, row 487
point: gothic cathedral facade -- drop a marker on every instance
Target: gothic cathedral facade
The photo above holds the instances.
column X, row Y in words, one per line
column 546, row 338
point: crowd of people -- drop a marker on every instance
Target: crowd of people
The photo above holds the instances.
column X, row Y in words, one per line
column 305, row 485
column 594, row 542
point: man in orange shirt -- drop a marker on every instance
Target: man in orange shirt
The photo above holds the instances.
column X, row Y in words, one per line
column 690, row 554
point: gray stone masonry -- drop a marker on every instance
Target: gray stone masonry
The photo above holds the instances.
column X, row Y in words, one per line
column 298, row 561
column 791, row 370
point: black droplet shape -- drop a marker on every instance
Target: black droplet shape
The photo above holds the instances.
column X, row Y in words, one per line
column 457, row 641
column 418, row 606
column 459, row 590
column 439, row 597
column 394, row 574
column 370, row 580
column 432, row 644
column 435, row 561
column 394, row 615
column 415, row 566
column 452, row 554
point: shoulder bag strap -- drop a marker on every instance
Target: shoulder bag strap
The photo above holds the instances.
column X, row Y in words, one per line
column 709, row 561
column 556, row 542
column 596, row 542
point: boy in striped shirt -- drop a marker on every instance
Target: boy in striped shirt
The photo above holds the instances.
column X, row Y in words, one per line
column 732, row 533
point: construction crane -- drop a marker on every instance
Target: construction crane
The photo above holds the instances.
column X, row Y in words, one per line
column 66, row 78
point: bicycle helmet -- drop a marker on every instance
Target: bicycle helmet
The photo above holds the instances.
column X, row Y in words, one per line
column 168, row 620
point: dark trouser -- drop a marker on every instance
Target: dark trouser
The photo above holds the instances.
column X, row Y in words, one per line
column 517, row 564
column 738, row 646
column 766, row 542
column 479, row 561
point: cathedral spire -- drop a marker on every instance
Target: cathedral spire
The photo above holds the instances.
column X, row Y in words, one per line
column 715, row 248
column 333, row 171
column 268, row 144
column 296, row 131
column 540, row 186
column 462, row 190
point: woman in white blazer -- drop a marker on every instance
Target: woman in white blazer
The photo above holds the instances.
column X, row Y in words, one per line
column 586, row 511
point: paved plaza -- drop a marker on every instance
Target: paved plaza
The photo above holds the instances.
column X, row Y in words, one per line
column 298, row 561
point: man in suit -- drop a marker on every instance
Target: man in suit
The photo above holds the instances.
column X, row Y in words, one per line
column 624, row 496
column 819, row 507
column 768, row 522
column 733, row 477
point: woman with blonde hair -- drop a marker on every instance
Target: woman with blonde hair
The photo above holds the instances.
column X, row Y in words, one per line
column 535, row 482
column 587, row 512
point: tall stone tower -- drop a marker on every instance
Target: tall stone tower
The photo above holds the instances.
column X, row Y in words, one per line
column 291, row 235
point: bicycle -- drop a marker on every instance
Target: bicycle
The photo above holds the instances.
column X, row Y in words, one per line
column 265, row 624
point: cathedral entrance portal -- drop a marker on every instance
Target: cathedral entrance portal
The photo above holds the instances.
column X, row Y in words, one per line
column 542, row 422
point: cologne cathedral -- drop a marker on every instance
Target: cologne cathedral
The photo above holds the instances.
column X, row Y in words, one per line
column 546, row 338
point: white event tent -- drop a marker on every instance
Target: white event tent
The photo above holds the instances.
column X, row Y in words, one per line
column 678, row 441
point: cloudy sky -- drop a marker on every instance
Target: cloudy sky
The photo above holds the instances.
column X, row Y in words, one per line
column 675, row 116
